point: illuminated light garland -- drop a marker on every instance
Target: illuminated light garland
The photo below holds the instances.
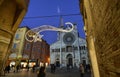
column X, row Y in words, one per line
column 33, row 35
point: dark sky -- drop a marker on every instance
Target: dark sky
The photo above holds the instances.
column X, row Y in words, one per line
column 48, row 12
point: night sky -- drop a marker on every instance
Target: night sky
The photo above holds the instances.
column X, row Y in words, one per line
column 48, row 12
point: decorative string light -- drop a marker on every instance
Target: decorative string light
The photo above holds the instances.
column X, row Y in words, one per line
column 33, row 35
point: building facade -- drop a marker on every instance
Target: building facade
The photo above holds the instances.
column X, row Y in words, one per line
column 38, row 52
column 27, row 53
column 17, row 46
column 70, row 50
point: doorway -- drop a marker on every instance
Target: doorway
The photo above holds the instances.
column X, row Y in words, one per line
column 69, row 60
column 57, row 63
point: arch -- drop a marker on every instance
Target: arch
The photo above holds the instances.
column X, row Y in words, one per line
column 57, row 62
column 69, row 59
column 69, row 55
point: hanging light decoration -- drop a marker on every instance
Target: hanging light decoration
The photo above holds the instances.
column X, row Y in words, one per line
column 34, row 35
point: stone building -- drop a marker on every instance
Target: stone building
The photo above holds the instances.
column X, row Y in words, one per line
column 11, row 15
column 70, row 50
column 101, row 24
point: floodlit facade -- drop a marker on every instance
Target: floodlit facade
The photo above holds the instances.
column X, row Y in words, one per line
column 17, row 46
column 70, row 49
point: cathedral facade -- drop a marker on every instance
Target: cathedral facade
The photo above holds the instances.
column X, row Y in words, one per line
column 69, row 49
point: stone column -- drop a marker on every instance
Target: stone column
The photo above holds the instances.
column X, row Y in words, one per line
column 11, row 14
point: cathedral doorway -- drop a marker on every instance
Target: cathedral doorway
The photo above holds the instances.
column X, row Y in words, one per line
column 69, row 60
column 57, row 62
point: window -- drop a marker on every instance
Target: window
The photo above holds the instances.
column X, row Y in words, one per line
column 84, row 52
column 57, row 50
column 75, row 48
column 14, row 45
column 17, row 36
column 80, row 47
column 84, row 47
column 27, row 46
column 69, row 49
column 63, row 49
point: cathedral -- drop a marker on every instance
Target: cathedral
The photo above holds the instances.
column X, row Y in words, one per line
column 69, row 49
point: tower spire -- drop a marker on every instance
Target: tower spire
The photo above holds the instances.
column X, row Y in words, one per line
column 60, row 35
column 61, row 18
column 61, row 22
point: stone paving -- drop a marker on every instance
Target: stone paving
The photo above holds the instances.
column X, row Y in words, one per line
column 59, row 73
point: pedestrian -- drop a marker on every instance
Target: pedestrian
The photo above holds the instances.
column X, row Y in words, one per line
column 41, row 72
column 17, row 68
column 82, row 70
column 54, row 68
column 13, row 67
column 88, row 67
column 68, row 67
column 7, row 68
column 27, row 67
column 51, row 67
column 33, row 68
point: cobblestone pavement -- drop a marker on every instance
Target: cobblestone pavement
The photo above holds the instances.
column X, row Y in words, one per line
column 59, row 73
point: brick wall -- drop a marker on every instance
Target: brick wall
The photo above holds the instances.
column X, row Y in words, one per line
column 105, row 28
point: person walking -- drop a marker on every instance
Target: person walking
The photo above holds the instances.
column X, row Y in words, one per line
column 54, row 68
column 7, row 69
column 41, row 72
column 68, row 69
column 33, row 68
column 17, row 68
column 82, row 70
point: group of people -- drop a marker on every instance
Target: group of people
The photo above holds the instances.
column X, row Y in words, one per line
column 7, row 69
column 69, row 67
column 84, row 68
column 53, row 68
column 42, row 73
column 12, row 67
